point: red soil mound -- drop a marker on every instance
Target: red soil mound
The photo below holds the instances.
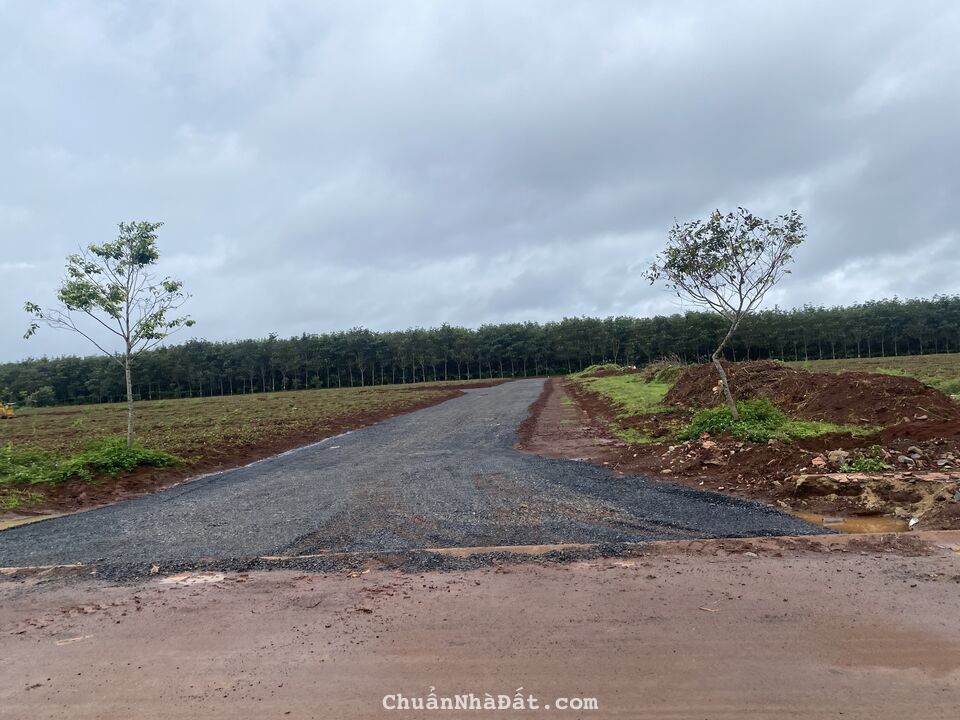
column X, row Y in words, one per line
column 850, row 397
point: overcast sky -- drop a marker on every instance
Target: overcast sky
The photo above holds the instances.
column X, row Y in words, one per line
column 322, row 165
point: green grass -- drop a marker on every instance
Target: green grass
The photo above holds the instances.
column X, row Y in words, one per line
column 630, row 394
column 11, row 499
column 632, row 436
column 941, row 371
column 591, row 369
column 760, row 421
column 108, row 456
column 872, row 462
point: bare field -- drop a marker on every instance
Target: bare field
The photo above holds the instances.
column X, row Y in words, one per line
column 208, row 433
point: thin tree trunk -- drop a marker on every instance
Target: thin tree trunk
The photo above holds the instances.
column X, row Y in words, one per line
column 724, row 382
column 127, row 372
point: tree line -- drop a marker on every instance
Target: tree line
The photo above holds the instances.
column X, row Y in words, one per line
column 360, row 357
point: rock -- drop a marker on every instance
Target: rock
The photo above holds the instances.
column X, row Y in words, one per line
column 904, row 460
column 819, row 461
column 943, row 463
column 914, row 450
column 708, row 444
column 838, row 457
column 823, row 486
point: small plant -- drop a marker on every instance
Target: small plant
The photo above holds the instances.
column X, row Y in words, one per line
column 760, row 420
column 107, row 456
column 12, row 499
column 872, row 462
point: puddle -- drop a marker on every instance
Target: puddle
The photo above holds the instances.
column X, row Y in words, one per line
column 196, row 578
column 857, row 523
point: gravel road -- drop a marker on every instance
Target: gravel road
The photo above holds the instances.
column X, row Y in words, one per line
column 447, row 476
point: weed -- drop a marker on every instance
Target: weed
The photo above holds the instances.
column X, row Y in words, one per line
column 760, row 421
column 11, row 499
column 107, row 456
column 630, row 394
column 592, row 369
column 663, row 371
column 873, row 462
column 633, row 436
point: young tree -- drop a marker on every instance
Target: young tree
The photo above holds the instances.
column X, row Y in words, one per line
column 727, row 264
column 111, row 284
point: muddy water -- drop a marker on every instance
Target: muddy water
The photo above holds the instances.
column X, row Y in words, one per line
column 857, row 523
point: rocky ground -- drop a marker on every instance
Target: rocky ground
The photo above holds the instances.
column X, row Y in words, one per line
column 922, row 490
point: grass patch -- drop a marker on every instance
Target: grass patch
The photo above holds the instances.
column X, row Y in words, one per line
column 873, row 462
column 107, row 456
column 633, row 436
column 663, row 371
column 630, row 394
column 11, row 499
column 760, row 421
column 599, row 367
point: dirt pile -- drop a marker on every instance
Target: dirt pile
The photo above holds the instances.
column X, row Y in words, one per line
column 608, row 370
column 850, row 397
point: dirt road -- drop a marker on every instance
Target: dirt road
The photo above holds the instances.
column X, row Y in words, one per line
column 833, row 627
column 446, row 476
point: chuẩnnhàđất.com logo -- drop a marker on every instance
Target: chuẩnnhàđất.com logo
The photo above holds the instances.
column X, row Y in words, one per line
column 519, row 700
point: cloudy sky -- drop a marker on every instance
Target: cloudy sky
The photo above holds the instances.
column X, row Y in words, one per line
column 326, row 165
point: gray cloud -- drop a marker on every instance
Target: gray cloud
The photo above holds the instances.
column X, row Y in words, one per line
column 321, row 166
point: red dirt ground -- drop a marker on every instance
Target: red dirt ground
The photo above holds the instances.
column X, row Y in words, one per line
column 82, row 495
column 849, row 397
column 578, row 428
column 831, row 627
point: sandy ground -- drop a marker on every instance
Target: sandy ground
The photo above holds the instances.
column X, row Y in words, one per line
column 831, row 627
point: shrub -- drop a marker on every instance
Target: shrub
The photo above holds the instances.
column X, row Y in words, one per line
column 663, row 371
column 760, row 420
column 866, row 463
column 107, row 456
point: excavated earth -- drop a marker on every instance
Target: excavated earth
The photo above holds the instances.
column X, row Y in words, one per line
column 800, row 476
column 849, row 397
